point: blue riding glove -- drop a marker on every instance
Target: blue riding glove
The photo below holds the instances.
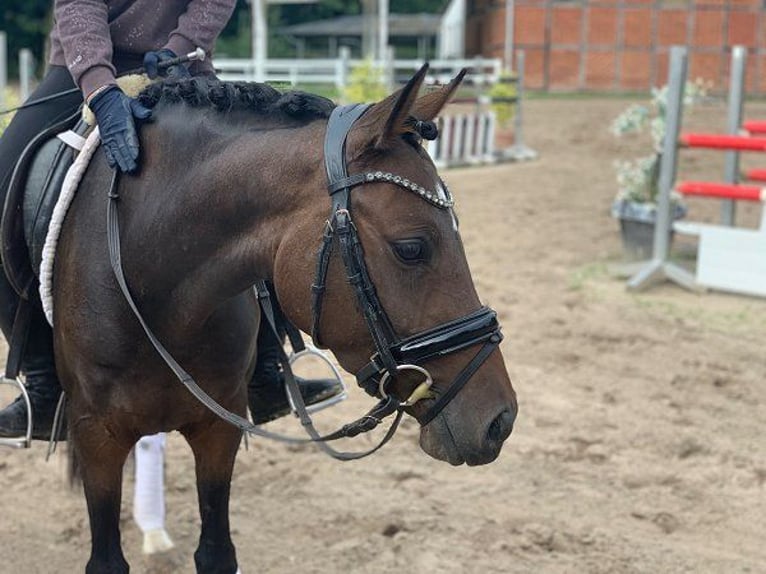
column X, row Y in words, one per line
column 152, row 61
column 115, row 113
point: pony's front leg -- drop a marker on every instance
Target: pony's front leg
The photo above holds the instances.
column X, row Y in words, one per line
column 101, row 459
column 215, row 448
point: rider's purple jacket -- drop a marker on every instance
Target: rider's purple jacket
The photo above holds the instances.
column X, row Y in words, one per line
column 90, row 36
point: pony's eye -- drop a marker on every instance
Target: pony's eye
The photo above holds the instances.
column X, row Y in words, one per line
column 412, row 250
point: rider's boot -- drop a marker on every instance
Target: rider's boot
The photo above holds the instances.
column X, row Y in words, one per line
column 41, row 383
column 266, row 393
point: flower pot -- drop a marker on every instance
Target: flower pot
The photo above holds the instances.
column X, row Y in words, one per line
column 637, row 226
column 638, row 239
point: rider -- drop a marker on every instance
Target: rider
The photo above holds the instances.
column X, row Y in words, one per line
column 92, row 42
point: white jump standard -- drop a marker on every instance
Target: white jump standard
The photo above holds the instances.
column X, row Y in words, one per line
column 729, row 258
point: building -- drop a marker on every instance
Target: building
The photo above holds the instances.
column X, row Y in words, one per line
column 411, row 35
column 620, row 45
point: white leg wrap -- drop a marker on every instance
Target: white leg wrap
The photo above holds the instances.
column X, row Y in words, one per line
column 156, row 541
column 149, row 495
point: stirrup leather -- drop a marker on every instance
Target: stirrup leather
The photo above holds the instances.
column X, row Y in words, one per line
column 300, row 350
column 58, row 422
column 16, row 345
column 26, row 440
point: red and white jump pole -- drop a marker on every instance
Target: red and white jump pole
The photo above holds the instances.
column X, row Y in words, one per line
column 722, row 190
column 756, row 174
column 725, row 142
column 755, row 127
column 734, row 119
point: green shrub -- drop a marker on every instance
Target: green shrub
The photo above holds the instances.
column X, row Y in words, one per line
column 365, row 84
column 504, row 89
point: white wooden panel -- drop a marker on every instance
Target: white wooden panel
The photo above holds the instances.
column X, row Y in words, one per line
column 732, row 260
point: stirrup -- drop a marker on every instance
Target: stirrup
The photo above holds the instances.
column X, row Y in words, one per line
column 26, row 440
column 311, row 350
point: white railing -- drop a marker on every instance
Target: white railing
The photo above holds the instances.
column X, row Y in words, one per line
column 464, row 139
column 319, row 71
column 336, row 71
column 482, row 71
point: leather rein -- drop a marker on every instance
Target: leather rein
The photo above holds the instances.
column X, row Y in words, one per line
column 393, row 354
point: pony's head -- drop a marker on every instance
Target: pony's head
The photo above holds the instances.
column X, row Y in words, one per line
column 391, row 280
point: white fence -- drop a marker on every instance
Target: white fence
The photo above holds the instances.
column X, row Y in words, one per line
column 469, row 138
column 336, row 71
column 464, row 139
column 315, row 71
column 26, row 70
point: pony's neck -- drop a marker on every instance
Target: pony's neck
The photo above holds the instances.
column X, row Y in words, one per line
column 241, row 195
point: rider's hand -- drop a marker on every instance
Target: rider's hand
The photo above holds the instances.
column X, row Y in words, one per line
column 152, row 68
column 115, row 113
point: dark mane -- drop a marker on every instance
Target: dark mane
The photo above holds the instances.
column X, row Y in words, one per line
column 261, row 99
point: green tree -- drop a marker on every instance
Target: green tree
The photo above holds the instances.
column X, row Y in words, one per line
column 290, row 14
column 418, row 6
column 27, row 23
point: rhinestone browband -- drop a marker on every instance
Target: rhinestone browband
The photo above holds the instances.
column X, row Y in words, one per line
column 430, row 196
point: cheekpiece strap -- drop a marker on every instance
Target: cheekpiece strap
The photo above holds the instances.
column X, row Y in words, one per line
column 341, row 120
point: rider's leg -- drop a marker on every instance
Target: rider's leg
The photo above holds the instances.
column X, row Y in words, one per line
column 28, row 122
column 41, row 382
column 266, row 392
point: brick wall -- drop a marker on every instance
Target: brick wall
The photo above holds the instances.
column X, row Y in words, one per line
column 618, row 45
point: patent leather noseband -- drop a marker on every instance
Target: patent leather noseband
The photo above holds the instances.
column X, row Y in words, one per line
column 394, row 354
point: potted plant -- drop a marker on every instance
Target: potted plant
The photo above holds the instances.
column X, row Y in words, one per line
column 635, row 205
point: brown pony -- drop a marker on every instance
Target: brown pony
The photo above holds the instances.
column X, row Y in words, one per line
column 233, row 189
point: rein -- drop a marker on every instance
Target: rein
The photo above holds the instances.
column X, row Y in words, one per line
column 393, row 354
column 366, row 423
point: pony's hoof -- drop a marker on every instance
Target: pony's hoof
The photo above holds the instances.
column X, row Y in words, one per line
column 156, row 541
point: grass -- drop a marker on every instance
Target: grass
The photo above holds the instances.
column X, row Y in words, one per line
column 10, row 99
column 730, row 313
column 726, row 313
column 580, row 277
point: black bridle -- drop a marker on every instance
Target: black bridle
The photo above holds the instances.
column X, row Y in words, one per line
column 393, row 353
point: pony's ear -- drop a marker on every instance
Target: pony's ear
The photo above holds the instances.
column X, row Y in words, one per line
column 388, row 119
column 429, row 106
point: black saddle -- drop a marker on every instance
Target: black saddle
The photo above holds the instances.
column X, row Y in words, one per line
column 32, row 194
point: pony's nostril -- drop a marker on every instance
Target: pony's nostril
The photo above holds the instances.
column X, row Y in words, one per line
column 501, row 427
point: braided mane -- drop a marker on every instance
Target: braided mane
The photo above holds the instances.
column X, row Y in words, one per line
column 261, row 99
